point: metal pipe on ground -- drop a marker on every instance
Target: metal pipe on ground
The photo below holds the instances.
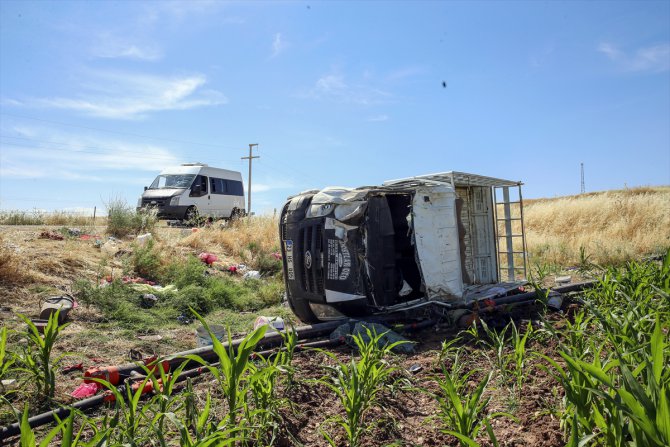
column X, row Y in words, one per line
column 530, row 296
column 95, row 401
column 115, row 374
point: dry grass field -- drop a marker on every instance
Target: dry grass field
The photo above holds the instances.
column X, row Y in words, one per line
column 610, row 227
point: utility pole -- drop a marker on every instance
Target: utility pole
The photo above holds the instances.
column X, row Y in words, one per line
column 583, row 187
column 250, row 157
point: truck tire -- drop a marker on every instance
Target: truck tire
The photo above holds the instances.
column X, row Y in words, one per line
column 302, row 309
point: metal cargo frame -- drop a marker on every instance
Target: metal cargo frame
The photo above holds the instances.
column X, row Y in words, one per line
column 464, row 179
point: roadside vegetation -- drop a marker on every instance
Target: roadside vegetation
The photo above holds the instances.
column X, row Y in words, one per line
column 593, row 375
column 124, row 220
column 609, row 359
column 38, row 217
column 602, row 228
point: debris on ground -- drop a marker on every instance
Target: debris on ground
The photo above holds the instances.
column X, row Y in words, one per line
column 85, row 390
column 208, row 258
column 74, row 232
column 110, row 248
column 52, row 304
column 352, row 328
column 184, row 319
column 415, row 368
column 252, row 274
column 563, row 280
column 203, row 337
column 148, row 300
column 273, row 322
column 151, row 337
column 142, row 239
column 71, row 368
column 51, row 235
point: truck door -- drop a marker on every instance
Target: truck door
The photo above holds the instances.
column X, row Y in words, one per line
column 483, row 243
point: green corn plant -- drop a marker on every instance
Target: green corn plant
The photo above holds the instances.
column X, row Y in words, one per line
column 585, row 265
column 164, row 400
column 357, row 384
column 6, row 362
column 65, row 428
column 264, row 417
column 496, row 341
column 198, row 420
column 232, row 368
column 463, row 415
column 519, row 354
column 28, row 439
column 448, row 349
column 642, row 393
column 198, row 429
column 283, row 360
column 36, row 359
column 128, row 426
column 581, row 404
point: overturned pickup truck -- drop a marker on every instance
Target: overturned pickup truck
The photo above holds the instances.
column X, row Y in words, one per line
column 446, row 239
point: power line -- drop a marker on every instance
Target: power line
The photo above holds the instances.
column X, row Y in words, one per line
column 116, row 131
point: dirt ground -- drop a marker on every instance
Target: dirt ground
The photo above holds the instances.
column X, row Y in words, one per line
column 405, row 416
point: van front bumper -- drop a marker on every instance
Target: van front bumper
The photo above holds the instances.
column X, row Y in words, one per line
column 170, row 212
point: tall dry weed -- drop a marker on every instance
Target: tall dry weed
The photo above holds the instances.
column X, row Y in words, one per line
column 12, row 269
column 244, row 239
column 612, row 226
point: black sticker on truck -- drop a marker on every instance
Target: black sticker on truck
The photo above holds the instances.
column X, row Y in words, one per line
column 339, row 260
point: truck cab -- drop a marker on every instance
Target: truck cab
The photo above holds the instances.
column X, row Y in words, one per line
column 443, row 238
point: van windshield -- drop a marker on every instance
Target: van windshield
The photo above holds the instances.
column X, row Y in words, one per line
column 172, row 181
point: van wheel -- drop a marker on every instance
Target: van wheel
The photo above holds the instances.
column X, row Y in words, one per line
column 236, row 213
column 192, row 216
column 302, row 309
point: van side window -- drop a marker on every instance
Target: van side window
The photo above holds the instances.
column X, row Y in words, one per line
column 235, row 188
column 199, row 186
column 218, row 186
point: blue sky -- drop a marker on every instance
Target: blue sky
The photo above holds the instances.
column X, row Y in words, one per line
column 97, row 97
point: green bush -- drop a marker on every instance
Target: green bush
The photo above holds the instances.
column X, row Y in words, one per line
column 120, row 304
column 146, row 261
column 123, row 220
column 192, row 296
column 184, row 273
column 268, row 265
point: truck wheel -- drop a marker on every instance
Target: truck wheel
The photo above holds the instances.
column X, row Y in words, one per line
column 302, row 309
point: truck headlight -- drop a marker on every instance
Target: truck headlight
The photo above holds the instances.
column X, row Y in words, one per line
column 139, row 202
column 174, row 201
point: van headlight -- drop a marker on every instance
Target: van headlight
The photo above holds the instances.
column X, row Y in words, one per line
column 174, row 201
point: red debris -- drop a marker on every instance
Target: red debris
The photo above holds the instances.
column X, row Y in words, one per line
column 208, row 258
column 69, row 369
column 86, row 390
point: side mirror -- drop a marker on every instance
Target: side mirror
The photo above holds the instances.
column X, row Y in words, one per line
column 146, row 187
